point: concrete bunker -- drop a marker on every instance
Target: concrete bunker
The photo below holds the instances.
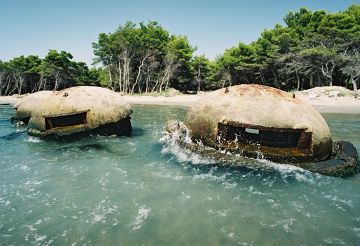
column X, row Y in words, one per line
column 75, row 110
column 254, row 120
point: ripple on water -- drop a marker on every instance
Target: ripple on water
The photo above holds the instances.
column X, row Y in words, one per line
column 139, row 191
column 103, row 211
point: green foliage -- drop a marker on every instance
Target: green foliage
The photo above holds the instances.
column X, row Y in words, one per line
column 200, row 68
column 143, row 58
column 56, row 71
column 312, row 49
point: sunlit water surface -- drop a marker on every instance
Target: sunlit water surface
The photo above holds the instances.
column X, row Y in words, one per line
column 139, row 190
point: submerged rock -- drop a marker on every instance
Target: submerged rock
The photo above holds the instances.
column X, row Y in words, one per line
column 75, row 110
column 259, row 121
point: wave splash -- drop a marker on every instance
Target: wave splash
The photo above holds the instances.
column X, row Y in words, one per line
column 175, row 144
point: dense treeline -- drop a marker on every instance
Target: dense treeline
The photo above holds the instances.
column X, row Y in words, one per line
column 312, row 49
column 56, row 71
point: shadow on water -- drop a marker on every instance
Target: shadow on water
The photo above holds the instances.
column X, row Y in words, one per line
column 84, row 147
column 137, row 132
column 81, row 144
column 85, row 136
column 12, row 135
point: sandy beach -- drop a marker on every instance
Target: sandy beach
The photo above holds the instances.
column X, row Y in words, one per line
column 324, row 104
column 325, row 99
column 11, row 100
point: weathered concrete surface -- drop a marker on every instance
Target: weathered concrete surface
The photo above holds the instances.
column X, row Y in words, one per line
column 261, row 106
column 103, row 107
column 27, row 104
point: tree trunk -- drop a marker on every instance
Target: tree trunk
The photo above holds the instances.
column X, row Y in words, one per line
column 147, row 80
column 119, row 75
column 297, row 81
column 7, row 86
column 353, row 81
column 124, row 76
column 21, row 83
column 198, row 78
column 165, row 77
column 156, row 84
column 138, row 74
column 328, row 71
column 276, row 78
column 110, row 78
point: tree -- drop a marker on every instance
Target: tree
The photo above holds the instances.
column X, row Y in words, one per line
column 200, row 67
column 143, row 57
column 57, row 70
column 24, row 72
column 351, row 67
column 177, row 63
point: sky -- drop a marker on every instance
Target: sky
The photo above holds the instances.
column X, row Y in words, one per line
column 33, row 27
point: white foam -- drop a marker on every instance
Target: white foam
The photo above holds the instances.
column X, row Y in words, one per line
column 143, row 213
column 181, row 154
column 164, row 174
column 24, row 167
column 40, row 238
column 103, row 181
column 210, row 176
column 286, row 224
column 184, row 155
column 185, row 196
column 231, row 235
column 38, row 222
column 32, row 139
column 101, row 211
column 97, row 218
column 335, row 199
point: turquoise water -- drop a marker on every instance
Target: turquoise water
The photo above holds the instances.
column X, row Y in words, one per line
column 141, row 190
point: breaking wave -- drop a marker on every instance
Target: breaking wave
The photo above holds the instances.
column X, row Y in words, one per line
column 32, row 139
column 179, row 152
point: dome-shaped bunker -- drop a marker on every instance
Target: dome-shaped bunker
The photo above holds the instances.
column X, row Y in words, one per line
column 262, row 122
column 78, row 109
column 257, row 119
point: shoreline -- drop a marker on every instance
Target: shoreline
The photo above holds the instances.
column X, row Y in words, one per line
column 341, row 105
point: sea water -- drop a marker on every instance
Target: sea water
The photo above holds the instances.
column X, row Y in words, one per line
column 142, row 190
